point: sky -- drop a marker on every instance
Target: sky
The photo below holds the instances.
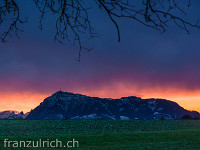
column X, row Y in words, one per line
column 145, row 63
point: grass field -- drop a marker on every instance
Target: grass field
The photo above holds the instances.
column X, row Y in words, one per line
column 105, row 134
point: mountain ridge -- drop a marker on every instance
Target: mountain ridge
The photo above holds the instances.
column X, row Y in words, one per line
column 11, row 114
column 66, row 105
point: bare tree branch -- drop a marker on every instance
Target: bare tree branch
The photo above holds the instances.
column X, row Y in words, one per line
column 73, row 18
column 152, row 13
column 10, row 13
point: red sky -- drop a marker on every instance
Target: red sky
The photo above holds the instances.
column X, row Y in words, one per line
column 25, row 101
column 145, row 63
column 30, row 74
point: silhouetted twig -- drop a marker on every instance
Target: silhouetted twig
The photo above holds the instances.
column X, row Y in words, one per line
column 73, row 18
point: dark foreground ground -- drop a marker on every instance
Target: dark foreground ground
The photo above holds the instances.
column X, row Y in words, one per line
column 105, row 134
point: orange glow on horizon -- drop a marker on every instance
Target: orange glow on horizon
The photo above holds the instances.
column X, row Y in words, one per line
column 25, row 101
column 20, row 101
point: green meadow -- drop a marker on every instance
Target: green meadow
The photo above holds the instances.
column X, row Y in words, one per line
column 106, row 134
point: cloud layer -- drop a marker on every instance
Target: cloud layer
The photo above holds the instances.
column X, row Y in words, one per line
column 145, row 63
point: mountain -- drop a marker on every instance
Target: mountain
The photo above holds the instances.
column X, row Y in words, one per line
column 12, row 115
column 8, row 112
column 65, row 105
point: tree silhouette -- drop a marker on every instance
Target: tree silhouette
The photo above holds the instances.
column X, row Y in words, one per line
column 187, row 117
column 73, row 16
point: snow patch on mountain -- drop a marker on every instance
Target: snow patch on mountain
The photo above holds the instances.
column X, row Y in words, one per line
column 124, row 118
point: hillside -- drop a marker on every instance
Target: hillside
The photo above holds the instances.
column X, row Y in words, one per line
column 65, row 105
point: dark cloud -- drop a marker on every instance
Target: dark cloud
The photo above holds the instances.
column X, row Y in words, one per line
column 144, row 58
